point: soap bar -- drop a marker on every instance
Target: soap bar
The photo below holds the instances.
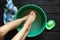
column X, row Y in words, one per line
column 50, row 24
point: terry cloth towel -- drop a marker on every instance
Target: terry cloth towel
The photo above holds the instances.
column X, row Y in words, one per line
column 9, row 11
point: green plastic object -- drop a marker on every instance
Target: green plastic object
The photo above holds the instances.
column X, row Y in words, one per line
column 50, row 24
column 38, row 25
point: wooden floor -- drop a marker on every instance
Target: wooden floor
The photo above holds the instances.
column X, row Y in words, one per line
column 52, row 9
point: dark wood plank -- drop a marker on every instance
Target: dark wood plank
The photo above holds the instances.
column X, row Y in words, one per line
column 52, row 9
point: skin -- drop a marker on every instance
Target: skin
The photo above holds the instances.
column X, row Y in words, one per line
column 21, row 35
column 8, row 27
column 24, row 31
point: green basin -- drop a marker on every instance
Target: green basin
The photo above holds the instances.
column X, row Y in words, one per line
column 38, row 25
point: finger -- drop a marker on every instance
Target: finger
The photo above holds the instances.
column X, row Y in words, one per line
column 21, row 34
column 11, row 25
